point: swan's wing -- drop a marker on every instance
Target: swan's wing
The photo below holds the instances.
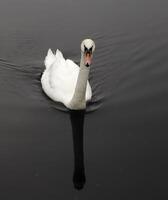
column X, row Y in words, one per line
column 51, row 58
column 59, row 56
column 57, row 70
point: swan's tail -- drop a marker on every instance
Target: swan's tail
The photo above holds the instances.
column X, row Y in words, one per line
column 49, row 59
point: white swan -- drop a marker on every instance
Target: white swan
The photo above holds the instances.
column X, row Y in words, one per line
column 66, row 82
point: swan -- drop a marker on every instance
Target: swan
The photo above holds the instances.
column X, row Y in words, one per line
column 64, row 81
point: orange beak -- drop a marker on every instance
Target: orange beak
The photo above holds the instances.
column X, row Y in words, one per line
column 88, row 59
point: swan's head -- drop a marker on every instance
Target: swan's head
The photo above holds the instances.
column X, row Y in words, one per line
column 87, row 49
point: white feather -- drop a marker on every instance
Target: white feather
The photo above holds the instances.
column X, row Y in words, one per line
column 60, row 77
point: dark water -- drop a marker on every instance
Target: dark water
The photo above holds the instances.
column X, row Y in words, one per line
column 125, row 154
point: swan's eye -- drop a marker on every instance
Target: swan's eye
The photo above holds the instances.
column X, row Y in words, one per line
column 91, row 49
column 85, row 48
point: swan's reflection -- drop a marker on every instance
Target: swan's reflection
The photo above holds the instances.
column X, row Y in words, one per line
column 77, row 121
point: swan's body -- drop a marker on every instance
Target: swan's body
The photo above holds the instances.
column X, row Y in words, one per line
column 64, row 81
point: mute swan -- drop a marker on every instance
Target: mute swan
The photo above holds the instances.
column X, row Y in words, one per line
column 66, row 82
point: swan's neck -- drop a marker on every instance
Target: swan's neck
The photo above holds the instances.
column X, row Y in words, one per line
column 78, row 101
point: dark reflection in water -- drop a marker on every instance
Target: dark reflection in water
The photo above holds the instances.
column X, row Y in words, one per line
column 77, row 122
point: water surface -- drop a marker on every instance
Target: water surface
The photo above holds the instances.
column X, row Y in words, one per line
column 125, row 138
